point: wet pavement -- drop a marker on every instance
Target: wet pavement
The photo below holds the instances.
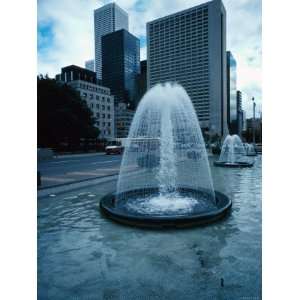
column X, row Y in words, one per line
column 82, row 255
column 73, row 168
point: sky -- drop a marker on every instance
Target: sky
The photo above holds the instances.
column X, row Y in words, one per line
column 66, row 35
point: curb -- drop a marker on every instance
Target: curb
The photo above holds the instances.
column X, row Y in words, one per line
column 74, row 185
column 66, row 187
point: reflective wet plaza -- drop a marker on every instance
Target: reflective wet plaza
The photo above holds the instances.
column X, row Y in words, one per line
column 82, row 255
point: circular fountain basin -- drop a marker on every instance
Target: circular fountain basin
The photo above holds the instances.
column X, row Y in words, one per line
column 233, row 165
column 145, row 208
column 251, row 154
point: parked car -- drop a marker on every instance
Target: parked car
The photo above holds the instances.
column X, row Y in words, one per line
column 114, row 148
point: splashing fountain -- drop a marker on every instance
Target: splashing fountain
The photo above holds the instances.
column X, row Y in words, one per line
column 233, row 153
column 165, row 179
column 250, row 150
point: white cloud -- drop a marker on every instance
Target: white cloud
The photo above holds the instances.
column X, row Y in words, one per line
column 72, row 26
column 73, row 33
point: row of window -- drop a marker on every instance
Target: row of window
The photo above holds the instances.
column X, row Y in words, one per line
column 98, row 106
column 200, row 15
column 189, row 35
column 91, row 97
column 108, row 124
column 103, row 115
column 105, row 132
column 193, row 79
column 178, row 56
column 197, row 28
column 185, row 48
column 177, row 28
column 184, row 63
column 93, row 88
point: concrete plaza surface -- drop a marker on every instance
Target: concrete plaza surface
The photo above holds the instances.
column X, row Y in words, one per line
column 82, row 255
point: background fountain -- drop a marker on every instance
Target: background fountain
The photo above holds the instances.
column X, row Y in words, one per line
column 250, row 150
column 233, row 153
column 165, row 177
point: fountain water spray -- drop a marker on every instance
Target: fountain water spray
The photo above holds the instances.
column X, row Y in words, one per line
column 165, row 171
column 233, row 153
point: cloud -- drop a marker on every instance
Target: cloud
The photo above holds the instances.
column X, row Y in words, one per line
column 72, row 33
column 72, row 37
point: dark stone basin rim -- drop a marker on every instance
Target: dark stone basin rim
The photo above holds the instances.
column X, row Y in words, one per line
column 233, row 165
column 223, row 206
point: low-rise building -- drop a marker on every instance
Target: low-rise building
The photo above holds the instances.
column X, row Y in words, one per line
column 123, row 119
column 97, row 97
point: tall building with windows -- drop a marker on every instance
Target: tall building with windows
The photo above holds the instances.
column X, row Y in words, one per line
column 244, row 121
column 98, row 98
column 107, row 18
column 121, row 65
column 232, row 107
column 90, row 65
column 189, row 47
column 141, row 82
column 240, row 113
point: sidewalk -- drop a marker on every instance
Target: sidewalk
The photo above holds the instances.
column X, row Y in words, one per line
column 79, row 155
column 80, row 184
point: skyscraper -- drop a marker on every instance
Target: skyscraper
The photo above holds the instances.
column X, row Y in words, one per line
column 232, row 107
column 141, row 82
column 240, row 113
column 121, row 65
column 90, row 65
column 107, row 18
column 189, row 47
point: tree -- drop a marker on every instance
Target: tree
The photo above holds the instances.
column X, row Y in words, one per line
column 62, row 116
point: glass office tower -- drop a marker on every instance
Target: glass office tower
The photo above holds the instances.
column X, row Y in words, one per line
column 107, row 18
column 121, row 65
column 232, row 107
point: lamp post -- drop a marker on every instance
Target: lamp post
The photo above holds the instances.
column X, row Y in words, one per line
column 253, row 121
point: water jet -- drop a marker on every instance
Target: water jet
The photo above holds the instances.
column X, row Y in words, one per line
column 165, row 179
column 250, row 150
column 233, row 154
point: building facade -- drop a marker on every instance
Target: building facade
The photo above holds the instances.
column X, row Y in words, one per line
column 90, row 65
column 123, row 117
column 98, row 98
column 141, row 83
column 189, row 47
column 107, row 18
column 232, row 107
column 244, row 121
column 240, row 113
column 121, row 65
